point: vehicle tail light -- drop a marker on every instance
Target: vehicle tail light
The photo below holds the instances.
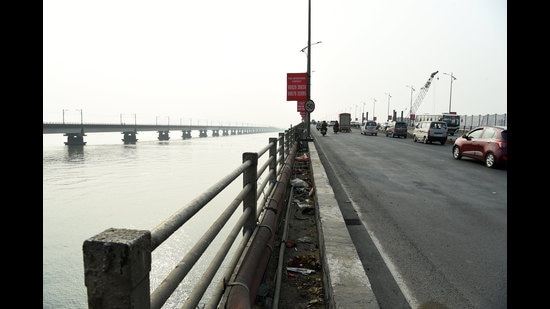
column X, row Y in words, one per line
column 501, row 144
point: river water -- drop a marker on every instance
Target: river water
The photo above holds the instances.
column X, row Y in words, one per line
column 106, row 184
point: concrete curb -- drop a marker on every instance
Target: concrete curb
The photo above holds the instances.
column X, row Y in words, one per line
column 348, row 284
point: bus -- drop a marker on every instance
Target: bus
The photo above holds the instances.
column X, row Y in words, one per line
column 452, row 120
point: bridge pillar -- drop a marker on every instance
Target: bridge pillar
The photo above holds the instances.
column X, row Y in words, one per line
column 186, row 134
column 75, row 139
column 225, row 132
column 129, row 137
column 215, row 132
column 233, row 132
column 163, row 135
column 203, row 133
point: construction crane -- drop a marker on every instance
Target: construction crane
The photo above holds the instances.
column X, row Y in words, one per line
column 421, row 95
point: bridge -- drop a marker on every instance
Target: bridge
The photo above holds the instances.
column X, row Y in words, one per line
column 118, row 261
column 75, row 132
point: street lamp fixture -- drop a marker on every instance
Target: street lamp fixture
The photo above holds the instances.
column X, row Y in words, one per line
column 303, row 50
column 451, row 91
column 410, row 107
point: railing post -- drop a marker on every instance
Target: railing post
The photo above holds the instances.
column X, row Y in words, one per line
column 117, row 263
column 287, row 142
column 273, row 163
column 250, row 176
column 282, row 146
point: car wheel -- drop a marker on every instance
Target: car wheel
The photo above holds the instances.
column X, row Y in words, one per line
column 425, row 140
column 443, row 142
column 415, row 139
column 456, row 153
column 490, row 160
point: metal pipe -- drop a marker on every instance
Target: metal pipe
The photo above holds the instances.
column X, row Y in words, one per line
column 243, row 289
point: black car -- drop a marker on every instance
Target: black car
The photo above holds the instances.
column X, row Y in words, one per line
column 397, row 129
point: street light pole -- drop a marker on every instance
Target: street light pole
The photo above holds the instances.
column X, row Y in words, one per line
column 410, row 107
column 388, row 116
column 363, row 115
column 451, row 91
column 64, row 115
column 373, row 106
column 308, row 116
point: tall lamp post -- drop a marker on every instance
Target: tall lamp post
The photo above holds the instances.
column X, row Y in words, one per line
column 373, row 106
column 451, row 91
column 411, row 105
column 388, row 116
column 363, row 114
column 64, row 115
column 308, row 116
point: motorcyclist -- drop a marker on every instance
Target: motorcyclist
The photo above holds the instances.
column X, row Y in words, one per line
column 324, row 127
column 336, row 126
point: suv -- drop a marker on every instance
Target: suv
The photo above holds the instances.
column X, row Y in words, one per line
column 369, row 127
column 397, row 129
column 430, row 131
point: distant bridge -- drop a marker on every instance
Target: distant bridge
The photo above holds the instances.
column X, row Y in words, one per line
column 75, row 132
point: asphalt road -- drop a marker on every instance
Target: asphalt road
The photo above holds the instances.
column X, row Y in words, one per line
column 431, row 231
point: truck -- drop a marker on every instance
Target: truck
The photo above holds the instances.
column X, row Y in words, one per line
column 451, row 118
column 344, row 119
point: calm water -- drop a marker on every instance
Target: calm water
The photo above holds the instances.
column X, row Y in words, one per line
column 108, row 184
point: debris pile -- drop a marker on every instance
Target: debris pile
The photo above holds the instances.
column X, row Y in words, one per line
column 301, row 284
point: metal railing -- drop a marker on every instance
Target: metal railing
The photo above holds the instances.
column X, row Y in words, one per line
column 117, row 262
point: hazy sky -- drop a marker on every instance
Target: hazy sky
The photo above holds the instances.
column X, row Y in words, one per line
column 219, row 61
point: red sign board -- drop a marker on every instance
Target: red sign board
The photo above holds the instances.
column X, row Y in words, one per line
column 301, row 106
column 413, row 116
column 296, row 86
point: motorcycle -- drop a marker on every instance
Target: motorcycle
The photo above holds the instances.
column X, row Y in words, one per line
column 323, row 131
column 336, row 129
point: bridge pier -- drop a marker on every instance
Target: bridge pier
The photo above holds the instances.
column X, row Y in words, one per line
column 163, row 135
column 215, row 132
column 75, row 139
column 225, row 132
column 186, row 134
column 129, row 137
column 203, row 133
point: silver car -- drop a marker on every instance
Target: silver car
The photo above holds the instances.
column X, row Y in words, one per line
column 369, row 127
column 430, row 131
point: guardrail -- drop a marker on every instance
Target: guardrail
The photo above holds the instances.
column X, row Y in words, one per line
column 117, row 262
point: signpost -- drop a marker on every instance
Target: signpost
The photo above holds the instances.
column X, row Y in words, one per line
column 296, row 87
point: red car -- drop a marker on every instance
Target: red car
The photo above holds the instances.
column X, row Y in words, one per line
column 488, row 144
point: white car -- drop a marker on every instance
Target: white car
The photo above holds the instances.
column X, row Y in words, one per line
column 369, row 127
column 430, row 131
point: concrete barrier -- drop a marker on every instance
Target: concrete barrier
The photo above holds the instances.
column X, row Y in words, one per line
column 348, row 283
